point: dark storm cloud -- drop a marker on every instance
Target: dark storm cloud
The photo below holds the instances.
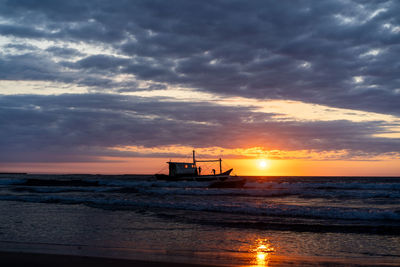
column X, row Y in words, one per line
column 35, row 128
column 303, row 50
column 29, row 66
column 63, row 51
column 34, row 66
column 21, row 31
column 21, row 47
column 151, row 87
column 101, row 62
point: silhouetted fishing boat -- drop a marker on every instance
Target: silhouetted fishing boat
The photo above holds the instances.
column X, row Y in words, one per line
column 189, row 171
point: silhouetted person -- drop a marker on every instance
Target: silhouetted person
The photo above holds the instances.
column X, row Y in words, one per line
column 214, row 171
column 199, row 170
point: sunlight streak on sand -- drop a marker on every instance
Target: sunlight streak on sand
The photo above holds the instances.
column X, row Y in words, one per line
column 263, row 252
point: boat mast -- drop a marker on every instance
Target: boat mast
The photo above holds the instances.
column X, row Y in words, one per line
column 212, row 160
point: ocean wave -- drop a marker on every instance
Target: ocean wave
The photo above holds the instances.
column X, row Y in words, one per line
column 351, row 194
column 63, row 189
column 251, row 184
column 324, row 186
column 262, row 193
column 60, row 182
column 188, row 188
column 4, row 181
column 153, row 183
column 93, row 180
column 235, row 207
column 226, row 192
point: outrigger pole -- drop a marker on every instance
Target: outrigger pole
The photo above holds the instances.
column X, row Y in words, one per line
column 213, row 160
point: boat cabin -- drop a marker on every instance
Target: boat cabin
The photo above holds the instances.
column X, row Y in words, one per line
column 182, row 169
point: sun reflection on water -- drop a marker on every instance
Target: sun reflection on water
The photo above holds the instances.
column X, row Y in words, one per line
column 262, row 251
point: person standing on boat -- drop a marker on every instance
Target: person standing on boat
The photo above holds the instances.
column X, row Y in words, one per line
column 214, row 171
column 199, row 170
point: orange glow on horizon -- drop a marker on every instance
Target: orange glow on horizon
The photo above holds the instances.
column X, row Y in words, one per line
column 315, row 168
column 245, row 167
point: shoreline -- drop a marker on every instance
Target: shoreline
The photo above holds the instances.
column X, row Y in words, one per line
column 22, row 259
column 50, row 260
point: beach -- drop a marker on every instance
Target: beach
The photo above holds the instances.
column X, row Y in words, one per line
column 48, row 260
column 36, row 259
column 88, row 220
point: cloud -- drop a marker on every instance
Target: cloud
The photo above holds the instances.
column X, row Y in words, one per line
column 307, row 51
column 63, row 51
column 101, row 62
column 336, row 53
column 21, row 31
column 89, row 126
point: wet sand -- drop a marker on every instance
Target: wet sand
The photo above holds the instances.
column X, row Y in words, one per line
column 49, row 260
column 46, row 260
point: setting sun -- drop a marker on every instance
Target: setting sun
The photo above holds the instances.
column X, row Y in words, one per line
column 262, row 164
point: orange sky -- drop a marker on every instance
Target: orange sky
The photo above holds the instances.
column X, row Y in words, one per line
column 240, row 166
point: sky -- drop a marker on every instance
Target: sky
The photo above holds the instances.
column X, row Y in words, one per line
column 304, row 87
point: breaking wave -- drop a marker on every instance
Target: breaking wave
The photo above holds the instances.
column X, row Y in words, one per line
column 358, row 202
column 281, row 210
column 341, row 190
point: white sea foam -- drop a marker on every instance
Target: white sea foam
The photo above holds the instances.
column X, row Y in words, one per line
column 151, row 183
column 328, row 212
column 328, row 185
column 256, row 189
column 354, row 199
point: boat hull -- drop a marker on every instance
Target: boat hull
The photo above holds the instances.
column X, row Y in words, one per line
column 223, row 180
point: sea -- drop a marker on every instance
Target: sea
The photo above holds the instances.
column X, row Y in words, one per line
column 352, row 221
